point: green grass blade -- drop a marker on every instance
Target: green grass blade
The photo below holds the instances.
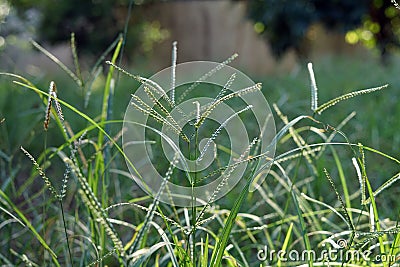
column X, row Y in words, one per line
column 142, row 255
column 167, row 243
column 88, row 119
column 44, row 100
column 102, row 158
column 224, row 236
column 204, row 258
column 381, row 240
column 30, row 227
column 379, row 153
column 285, row 243
column 300, row 215
column 376, row 221
column 394, row 249
column 385, row 185
column 103, row 116
column 342, row 179
column 107, row 88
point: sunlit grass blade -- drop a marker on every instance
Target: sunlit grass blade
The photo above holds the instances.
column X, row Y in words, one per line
column 167, row 244
column 108, row 92
column 394, row 249
column 285, row 243
column 141, row 255
column 379, row 153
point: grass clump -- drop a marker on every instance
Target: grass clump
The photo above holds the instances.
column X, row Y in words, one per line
column 319, row 194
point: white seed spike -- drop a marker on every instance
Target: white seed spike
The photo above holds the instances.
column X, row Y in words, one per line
column 173, row 70
column 314, row 88
column 197, row 111
column 57, row 104
column 396, row 5
column 371, row 218
column 360, row 179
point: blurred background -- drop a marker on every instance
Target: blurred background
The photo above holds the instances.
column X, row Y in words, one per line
column 271, row 36
column 353, row 45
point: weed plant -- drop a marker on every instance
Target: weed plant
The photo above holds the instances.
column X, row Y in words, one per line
column 78, row 205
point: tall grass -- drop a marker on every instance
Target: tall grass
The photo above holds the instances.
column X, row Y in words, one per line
column 86, row 210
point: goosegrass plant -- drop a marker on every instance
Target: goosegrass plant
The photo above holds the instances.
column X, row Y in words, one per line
column 105, row 222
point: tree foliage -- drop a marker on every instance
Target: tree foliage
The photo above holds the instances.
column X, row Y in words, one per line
column 285, row 22
column 96, row 23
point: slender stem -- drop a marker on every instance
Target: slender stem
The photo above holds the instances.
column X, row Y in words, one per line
column 189, row 234
column 194, row 199
column 44, row 195
column 65, row 231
